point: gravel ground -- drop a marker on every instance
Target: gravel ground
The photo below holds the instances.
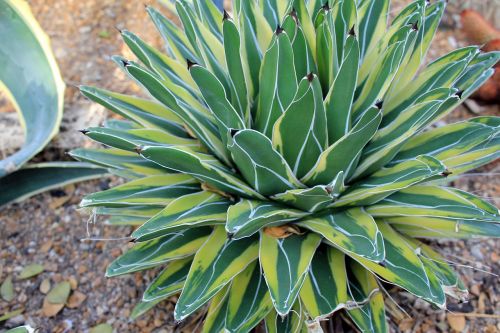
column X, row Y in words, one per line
column 48, row 229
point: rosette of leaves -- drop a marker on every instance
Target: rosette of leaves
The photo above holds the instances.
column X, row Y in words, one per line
column 286, row 163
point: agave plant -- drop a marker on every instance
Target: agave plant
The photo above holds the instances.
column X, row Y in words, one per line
column 287, row 165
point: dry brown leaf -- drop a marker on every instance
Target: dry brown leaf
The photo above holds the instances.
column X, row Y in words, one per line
column 51, row 309
column 73, row 283
column 76, row 299
column 456, row 321
column 406, row 324
column 45, row 286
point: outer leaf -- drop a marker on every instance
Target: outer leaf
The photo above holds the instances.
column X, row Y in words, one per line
column 260, row 164
column 353, row 231
column 293, row 321
column 325, row 288
column 404, row 268
column 300, row 134
column 249, row 301
column 326, row 48
column 30, row 78
column 370, row 317
column 143, row 307
column 329, row 165
column 154, row 190
column 38, row 178
column 200, row 166
column 431, row 227
column 387, row 181
column 338, row 102
column 216, row 263
column 285, row 263
column 277, row 84
column 433, row 201
column 249, row 216
column 187, row 211
column 158, row 251
column 169, row 281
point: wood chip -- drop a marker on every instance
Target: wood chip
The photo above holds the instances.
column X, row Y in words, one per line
column 76, row 299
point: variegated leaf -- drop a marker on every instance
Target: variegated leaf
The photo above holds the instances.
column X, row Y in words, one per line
column 329, row 165
column 300, row 134
column 353, row 231
column 372, row 22
column 285, row 263
column 260, row 164
column 144, row 212
column 143, row 112
column 203, row 167
column 215, row 321
column 249, row 301
column 369, row 315
column 432, row 227
column 215, row 264
column 187, row 211
column 293, row 322
column 154, row 190
column 159, row 251
column 434, row 201
column 278, row 83
column 169, row 281
column 389, row 180
column 249, row 216
column 325, row 288
column 403, row 267
column 326, row 47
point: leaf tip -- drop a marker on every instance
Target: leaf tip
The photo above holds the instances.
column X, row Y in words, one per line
column 139, row 149
column 190, row 64
column 459, row 94
column 279, row 30
column 352, row 32
column 446, row 173
column 233, row 132
column 310, row 77
column 414, row 26
column 225, row 16
column 125, row 63
column 83, row 131
column 379, row 104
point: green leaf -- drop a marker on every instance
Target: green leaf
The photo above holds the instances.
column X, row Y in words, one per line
column 329, row 165
column 7, row 289
column 338, row 102
column 369, row 316
column 434, row 201
column 293, row 321
column 30, row 271
column 152, row 253
column 325, row 288
column 389, row 180
column 143, row 307
column 372, row 21
column 260, row 164
column 285, row 263
column 216, row 315
column 169, row 281
column 326, row 47
column 141, row 111
column 38, row 178
column 403, row 267
column 60, row 293
column 353, row 231
column 203, row 167
column 278, row 84
column 11, row 314
column 131, row 139
column 31, row 80
column 154, row 191
column 216, row 263
column 249, row 301
column 102, row 328
column 300, row 134
column 249, row 216
column 21, row 329
column 187, row 211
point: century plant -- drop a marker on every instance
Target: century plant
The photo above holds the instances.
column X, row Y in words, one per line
column 288, row 164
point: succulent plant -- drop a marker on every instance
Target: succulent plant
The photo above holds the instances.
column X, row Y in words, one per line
column 287, row 165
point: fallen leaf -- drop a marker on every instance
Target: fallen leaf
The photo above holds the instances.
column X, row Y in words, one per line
column 76, row 299
column 73, row 283
column 22, row 329
column 7, row 289
column 11, row 314
column 59, row 294
column 45, row 286
column 30, row 271
column 50, row 309
column 102, row 328
column 456, row 321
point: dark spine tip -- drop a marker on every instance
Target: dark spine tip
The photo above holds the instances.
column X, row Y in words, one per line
column 233, row 132
column 229, row 236
column 138, row 149
column 190, row 63
column 310, row 77
column 414, row 26
column 133, row 240
column 383, row 263
column 352, row 32
column 279, row 30
column 83, row 131
column 379, row 104
column 125, row 63
column 326, row 7
column 329, row 189
column 293, row 14
column 459, row 94
column 446, row 173
column 226, row 16
column 119, row 30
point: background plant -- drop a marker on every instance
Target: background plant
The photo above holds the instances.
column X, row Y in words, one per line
column 285, row 172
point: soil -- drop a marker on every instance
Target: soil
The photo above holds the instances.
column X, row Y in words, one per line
column 50, row 230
